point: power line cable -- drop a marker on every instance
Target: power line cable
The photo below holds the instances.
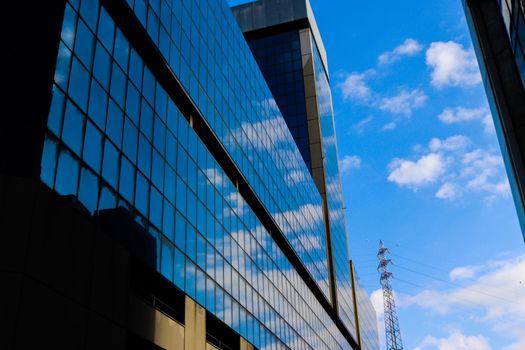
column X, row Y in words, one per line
column 456, row 284
column 469, row 301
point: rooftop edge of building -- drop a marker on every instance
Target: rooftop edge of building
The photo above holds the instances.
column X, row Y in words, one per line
column 262, row 14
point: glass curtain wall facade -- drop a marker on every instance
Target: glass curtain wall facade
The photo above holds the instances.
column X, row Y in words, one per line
column 279, row 57
column 115, row 137
column 334, row 194
column 498, row 32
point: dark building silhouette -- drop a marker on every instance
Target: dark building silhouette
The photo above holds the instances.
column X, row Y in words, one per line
column 498, row 32
column 152, row 195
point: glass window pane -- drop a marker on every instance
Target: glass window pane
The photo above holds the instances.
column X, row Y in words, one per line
column 191, row 242
column 181, row 196
column 153, row 26
column 115, row 123
column 110, row 164
column 155, row 211
column 79, row 84
column 201, row 287
column 84, row 44
column 142, row 194
column 191, row 210
column 144, row 156
column 169, row 184
column 56, row 112
column 168, row 222
column 201, row 251
column 93, row 147
column 166, row 266
column 133, row 103
column 141, row 11
column 88, row 190
column 108, row 199
column 210, row 295
column 106, row 29
column 72, row 134
column 69, row 26
column 49, row 161
column 190, row 279
column 89, row 11
column 63, row 65
column 180, row 231
column 179, row 275
column 121, row 53
column 130, row 140
column 98, row 102
column 146, row 120
column 148, row 86
column 159, row 136
column 171, row 149
column 161, row 100
column 135, row 68
column 102, row 66
column 127, row 179
column 157, row 170
column 67, row 174
column 118, row 85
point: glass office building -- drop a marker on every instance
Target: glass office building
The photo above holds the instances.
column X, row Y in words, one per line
column 498, row 32
column 287, row 45
column 168, row 205
column 368, row 333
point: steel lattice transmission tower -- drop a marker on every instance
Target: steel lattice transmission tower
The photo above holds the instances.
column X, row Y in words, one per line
column 393, row 334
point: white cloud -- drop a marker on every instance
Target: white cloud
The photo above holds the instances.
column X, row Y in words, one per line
column 456, row 341
column 409, row 47
column 389, row 126
column 463, row 272
column 488, row 124
column 404, row 102
column 425, row 170
column 485, row 173
column 349, row 162
column 451, row 143
column 447, row 191
column 452, row 65
column 457, row 166
column 462, row 115
column 355, row 88
column 494, row 298
column 361, row 125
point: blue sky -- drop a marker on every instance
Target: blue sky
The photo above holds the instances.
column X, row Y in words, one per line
column 422, row 171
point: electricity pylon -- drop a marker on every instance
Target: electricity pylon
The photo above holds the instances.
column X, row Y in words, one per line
column 393, row 334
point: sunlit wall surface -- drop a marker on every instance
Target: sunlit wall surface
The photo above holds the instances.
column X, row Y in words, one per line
column 367, row 319
column 279, row 57
column 114, row 138
column 334, row 195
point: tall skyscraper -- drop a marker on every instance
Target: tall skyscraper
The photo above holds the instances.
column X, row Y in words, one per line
column 152, row 195
column 287, row 45
column 498, row 31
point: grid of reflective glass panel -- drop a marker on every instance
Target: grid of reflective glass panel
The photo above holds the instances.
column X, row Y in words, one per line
column 279, row 57
column 513, row 12
column 203, row 45
column 367, row 319
column 115, row 139
column 334, row 195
